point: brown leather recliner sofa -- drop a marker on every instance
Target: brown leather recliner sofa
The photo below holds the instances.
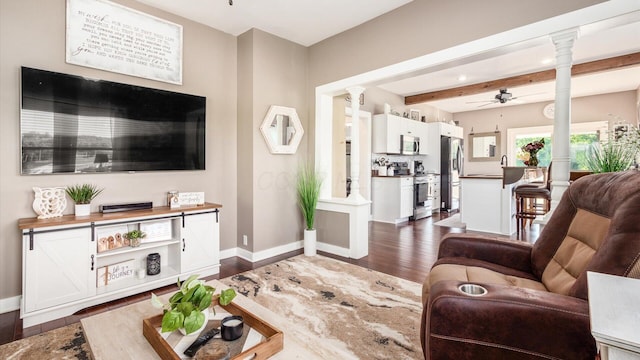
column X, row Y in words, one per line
column 536, row 305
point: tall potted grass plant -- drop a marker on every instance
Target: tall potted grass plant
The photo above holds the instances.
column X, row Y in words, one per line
column 617, row 153
column 308, row 186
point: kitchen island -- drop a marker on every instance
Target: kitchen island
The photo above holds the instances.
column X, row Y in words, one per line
column 488, row 205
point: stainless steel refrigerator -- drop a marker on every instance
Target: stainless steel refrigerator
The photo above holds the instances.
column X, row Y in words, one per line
column 451, row 162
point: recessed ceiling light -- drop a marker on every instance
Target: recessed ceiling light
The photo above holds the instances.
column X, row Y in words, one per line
column 547, row 61
column 462, row 78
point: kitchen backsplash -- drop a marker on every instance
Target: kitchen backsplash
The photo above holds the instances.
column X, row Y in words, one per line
column 394, row 158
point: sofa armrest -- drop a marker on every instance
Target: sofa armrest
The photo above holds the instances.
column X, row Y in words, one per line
column 506, row 323
column 508, row 253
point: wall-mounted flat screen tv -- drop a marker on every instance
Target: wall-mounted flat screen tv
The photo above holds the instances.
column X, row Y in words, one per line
column 72, row 124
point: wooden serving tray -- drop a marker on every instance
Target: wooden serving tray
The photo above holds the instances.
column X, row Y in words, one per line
column 274, row 338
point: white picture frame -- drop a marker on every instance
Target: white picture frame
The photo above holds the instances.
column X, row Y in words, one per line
column 414, row 114
column 159, row 230
column 108, row 36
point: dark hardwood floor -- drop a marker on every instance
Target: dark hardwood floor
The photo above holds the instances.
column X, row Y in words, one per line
column 405, row 250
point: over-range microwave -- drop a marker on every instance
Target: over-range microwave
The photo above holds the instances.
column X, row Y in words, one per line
column 409, row 145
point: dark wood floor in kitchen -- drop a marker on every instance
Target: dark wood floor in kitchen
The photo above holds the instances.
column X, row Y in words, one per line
column 405, row 250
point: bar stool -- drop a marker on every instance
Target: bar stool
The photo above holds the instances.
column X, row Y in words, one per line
column 527, row 206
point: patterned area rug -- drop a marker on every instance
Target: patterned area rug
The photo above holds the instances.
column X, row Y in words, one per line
column 350, row 312
column 452, row 221
column 63, row 343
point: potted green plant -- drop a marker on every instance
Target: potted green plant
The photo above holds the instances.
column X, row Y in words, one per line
column 308, row 186
column 609, row 157
column 188, row 308
column 82, row 195
column 134, row 237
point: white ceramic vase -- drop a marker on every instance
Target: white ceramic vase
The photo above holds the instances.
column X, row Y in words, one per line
column 204, row 324
column 83, row 209
column 310, row 242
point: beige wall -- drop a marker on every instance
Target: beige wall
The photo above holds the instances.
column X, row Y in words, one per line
column 32, row 33
column 583, row 109
column 279, row 77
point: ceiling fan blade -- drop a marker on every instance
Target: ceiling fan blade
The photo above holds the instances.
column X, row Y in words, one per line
column 487, row 104
column 487, row 101
column 521, row 96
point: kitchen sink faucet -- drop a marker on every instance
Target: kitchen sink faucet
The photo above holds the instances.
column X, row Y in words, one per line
column 504, row 161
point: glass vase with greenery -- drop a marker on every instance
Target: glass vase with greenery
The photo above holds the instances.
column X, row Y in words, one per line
column 135, row 237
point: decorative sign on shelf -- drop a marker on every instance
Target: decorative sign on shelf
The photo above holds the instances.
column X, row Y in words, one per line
column 191, row 198
column 108, row 36
column 115, row 272
column 156, row 230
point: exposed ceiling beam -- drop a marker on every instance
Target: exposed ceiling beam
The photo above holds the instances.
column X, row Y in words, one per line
column 526, row 79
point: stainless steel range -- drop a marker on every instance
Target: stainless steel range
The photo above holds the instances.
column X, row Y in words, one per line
column 423, row 196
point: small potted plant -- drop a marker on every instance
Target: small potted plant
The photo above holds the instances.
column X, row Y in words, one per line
column 82, row 196
column 134, row 237
column 308, row 187
column 188, row 308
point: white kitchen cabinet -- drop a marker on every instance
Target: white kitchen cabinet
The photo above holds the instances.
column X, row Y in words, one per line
column 58, row 267
column 392, row 198
column 406, row 197
column 62, row 258
column 388, row 128
column 386, row 134
column 200, row 242
column 436, row 193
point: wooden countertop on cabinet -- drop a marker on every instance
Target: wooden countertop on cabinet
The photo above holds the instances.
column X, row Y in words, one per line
column 34, row 222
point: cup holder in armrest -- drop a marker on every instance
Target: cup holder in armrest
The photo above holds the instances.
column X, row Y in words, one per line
column 472, row 289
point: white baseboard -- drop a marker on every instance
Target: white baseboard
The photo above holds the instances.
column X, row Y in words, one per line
column 265, row 254
column 279, row 250
column 332, row 249
column 10, row 304
column 228, row 253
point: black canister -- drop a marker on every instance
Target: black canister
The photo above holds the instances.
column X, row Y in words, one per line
column 231, row 327
column 153, row 264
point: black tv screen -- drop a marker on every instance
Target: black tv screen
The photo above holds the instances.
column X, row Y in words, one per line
column 72, row 124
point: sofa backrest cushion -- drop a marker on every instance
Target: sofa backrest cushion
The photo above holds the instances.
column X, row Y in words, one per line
column 585, row 234
column 578, row 239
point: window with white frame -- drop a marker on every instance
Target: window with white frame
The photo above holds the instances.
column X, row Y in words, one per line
column 582, row 135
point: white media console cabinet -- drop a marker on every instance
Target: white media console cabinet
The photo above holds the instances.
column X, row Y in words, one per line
column 62, row 260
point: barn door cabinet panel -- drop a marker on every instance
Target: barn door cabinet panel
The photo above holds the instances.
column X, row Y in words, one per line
column 59, row 267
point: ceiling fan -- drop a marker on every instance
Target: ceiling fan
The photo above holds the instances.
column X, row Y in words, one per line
column 501, row 97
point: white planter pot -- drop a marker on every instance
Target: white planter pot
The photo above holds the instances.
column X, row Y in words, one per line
column 83, row 209
column 310, row 242
column 206, row 320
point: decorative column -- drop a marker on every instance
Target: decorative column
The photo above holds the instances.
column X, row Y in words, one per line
column 560, row 155
column 355, row 92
